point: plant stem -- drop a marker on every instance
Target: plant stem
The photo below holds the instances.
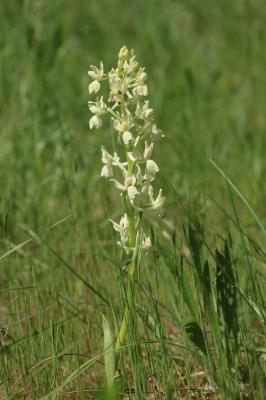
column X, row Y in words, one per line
column 131, row 270
column 129, row 302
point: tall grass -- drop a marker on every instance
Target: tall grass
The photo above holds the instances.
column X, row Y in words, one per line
column 197, row 329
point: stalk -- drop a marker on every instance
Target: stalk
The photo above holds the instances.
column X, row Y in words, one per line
column 132, row 234
column 133, row 174
column 129, row 303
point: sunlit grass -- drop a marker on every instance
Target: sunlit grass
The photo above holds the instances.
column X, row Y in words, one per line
column 198, row 326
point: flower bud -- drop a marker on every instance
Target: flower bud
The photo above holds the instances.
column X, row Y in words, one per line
column 148, row 151
column 123, row 53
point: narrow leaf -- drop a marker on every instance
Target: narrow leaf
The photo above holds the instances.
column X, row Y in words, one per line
column 195, row 334
column 109, row 352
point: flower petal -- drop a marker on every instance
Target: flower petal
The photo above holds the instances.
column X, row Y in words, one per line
column 152, row 167
column 107, row 171
column 132, row 192
column 127, row 137
column 95, row 122
column 94, row 87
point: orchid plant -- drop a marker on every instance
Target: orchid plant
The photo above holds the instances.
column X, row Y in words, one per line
column 134, row 172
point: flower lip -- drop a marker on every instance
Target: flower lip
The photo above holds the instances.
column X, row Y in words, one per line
column 94, row 86
column 95, row 122
column 127, row 137
column 151, row 167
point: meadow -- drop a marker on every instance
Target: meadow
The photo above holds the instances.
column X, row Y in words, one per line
column 197, row 329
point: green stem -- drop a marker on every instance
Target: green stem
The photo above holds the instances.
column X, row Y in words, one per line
column 131, row 271
column 129, row 303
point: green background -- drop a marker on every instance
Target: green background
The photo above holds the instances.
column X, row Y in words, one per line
column 205, row 62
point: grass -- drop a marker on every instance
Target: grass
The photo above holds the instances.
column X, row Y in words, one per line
column 198, row 326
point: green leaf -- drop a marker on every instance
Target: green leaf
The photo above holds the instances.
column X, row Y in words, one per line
column 109, row 352
column 194, row 332
column 226, row 290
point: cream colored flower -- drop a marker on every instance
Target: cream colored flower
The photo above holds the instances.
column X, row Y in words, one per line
column 94, row 87
column 109, row 161
column 127, row 137
column 143, row 112
column 141, row 76
column 133, row 121
column 156, row 133
column 158, row 202
column 128, row 186
column 125, row 123
column 123, row 53
column 95, row 73
column 95, row 122
column 132, row 192
column 122, row 228
column 147, row 151
column 146, row 243
column 140, row 90
column 97, row 107
column 151, row 168
column 130, row 65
